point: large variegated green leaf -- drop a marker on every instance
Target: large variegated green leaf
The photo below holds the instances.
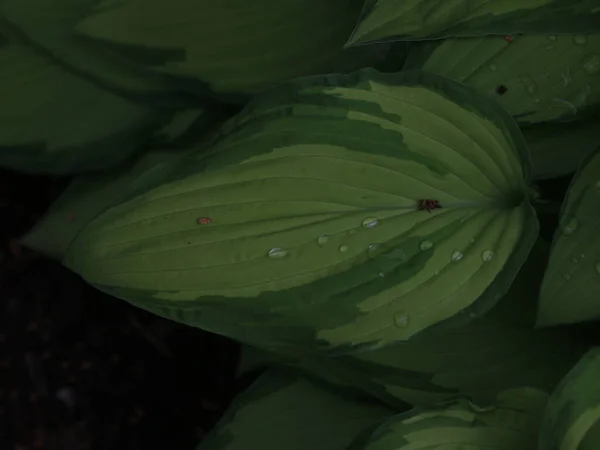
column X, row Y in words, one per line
column 512, row 424
column 232, row 46
column 389, row 20
column 315, row 235
column 52, row 121
column 281, row 411
column 557, row 149
column 572, row 418
column 496, row 352
column 535, row 78
column 570, row 292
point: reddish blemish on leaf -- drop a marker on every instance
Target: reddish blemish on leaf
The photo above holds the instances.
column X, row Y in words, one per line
column 509, row 38
column 204, row 220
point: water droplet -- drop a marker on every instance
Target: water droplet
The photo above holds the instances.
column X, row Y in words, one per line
column 370, row 222
column 493, row 67
column 549, row 47
column 487, row 255
column 457, row 255
column 580, row 39
column 575, row 260
column 344, row 248
column 591, row 64
column 529, row 84
column 381, row 274
column 597, row 267
column 322, row 240
column 472, row 241
column 566, row 276
column 402, row 319
column 552, row 37
column 277, row 253
column 372, row 250
column 566, row 77
column 425, row 245
column 569, row 225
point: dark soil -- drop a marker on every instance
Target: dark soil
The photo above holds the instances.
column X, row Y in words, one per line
column 80, row 370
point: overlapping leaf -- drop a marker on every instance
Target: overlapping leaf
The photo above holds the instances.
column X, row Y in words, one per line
column 52, row 121
column 303, row 227
column 570, row 292
column 572, row 418
column 232, row 46
column 557, row 149
column 511, row 425
column 496, row 352
column 281, row 411
column 389, row 20
column 535, row 78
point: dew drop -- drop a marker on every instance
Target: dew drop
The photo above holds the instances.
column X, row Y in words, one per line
column 372, row 250
column 277, row 253
column 487, row 255
column 566, row 276
column 322, row 240
column 493, row 67
column 549, row 47
column 552, row 37
column 457, row 255
column 575, row 260
column 370, row 222
column 569, row 225
column 597, row 267
column 425, row 245
column 591, row 64
column 580, row 39
column 529, row 84
column 402, row 319
column 381, row 274
column 344, row 248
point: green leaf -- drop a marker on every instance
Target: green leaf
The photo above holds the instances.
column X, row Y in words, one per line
column 535, row 78
column 478, row 361
column 233, row 46
column 52, row 121
column 89, row 195
column 557, row 149
column 316, row 239
column 572, row 417
column 571, row 286
column 281, row 411
column 48, row 27
column 511, row 425
column 390, row 20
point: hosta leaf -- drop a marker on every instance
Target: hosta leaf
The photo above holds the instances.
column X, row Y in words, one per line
column 572, row 418
column 315, row 236
column 535, row 78
column 52, row 121
column 48, row 26
column 511, row 425
column 389, row 20
column 557, row 149
column 571, row 286
column 281, row 411
column 479, row 360
column 231, row 46
column 89, row 195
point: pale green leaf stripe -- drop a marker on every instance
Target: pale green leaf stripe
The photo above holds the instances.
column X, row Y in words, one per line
column 325, row 156
column 512, row 424
column 572, row 418
column 283, row 412
column 546, row 78
column 571, row 286
column 390, row 20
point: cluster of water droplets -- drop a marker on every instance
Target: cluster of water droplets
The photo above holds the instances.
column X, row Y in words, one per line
column 568, row 227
